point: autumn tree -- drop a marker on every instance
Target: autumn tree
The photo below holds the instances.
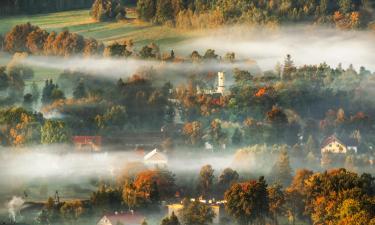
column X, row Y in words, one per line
column 102, row 10
column 276, row 202
column 71, row 211
column 35, row 41
column 16, row 39
column 206, row 179
column 196, row 213
column 163, row 180
column 248, row 202
column 54, row 132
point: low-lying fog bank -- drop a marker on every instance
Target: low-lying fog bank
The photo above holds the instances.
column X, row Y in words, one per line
column 306, row 44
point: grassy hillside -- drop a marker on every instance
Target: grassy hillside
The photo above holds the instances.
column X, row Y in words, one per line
column 79, row 21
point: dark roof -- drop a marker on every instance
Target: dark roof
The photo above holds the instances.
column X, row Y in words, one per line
column 331, row 139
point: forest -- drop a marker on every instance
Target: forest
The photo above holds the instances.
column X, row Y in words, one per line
column 193, row 129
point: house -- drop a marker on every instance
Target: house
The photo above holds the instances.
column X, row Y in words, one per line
column 88, row 143
column 129, row 218
column 332, row 144
column 155, row 159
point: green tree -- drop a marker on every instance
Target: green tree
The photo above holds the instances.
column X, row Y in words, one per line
column 206, row 178
column 172, row 220
column 79, row 91
column 196, row 213
column 282, row 172
column 237, row 137
column 54, row 132
column 146, row 9
column 226, row 179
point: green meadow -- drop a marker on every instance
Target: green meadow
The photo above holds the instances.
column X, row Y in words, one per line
column 79, row 21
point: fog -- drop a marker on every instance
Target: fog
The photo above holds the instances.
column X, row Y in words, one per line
column 44, row 162
column 120, row 68
column 307, row 45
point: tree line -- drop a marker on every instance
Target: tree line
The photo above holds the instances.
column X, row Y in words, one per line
column 331, row 197
column 187, row 14
column 16, row 7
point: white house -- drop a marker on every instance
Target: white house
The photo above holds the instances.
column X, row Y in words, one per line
column 129, row 218
column 333, row 145
column 155, row 158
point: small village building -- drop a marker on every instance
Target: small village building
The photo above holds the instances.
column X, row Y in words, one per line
column 155, row 158
column 88, row 143
column 129, row 218
column 333, row 145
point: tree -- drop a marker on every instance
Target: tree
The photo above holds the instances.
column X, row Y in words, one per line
column 102, row 10
column 164, row 11
column 146, row 9
column 310, row 146
column 206, row 177
column 237, row 137
column 117, row 50
column 150, row 181
column 71, row 211
column 196, row 213
column 248, row 202
column 35, row 41
column 288, row 67
column 54, row 131
column 16, row 39
column 80, row 90
column 51, row 92
column 227, row 178
column 276, row 202
column 282, row 172
column 115, row 116
column 35, row 92
column 172, row 220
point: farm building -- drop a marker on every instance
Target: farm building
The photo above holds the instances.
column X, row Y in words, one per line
column 88, row 143
column 333, row 144
column 155, row 159
column 129, row 218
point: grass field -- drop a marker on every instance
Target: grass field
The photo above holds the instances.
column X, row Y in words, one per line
column 79, row 21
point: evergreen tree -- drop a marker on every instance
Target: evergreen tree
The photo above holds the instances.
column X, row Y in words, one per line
column 79, row 90
column 282, row 172
column 35, row 92
column 237, row 137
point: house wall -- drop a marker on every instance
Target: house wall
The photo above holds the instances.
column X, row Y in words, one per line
column 334, row 147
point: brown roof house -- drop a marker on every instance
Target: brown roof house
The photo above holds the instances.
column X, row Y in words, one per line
column 88, row 143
